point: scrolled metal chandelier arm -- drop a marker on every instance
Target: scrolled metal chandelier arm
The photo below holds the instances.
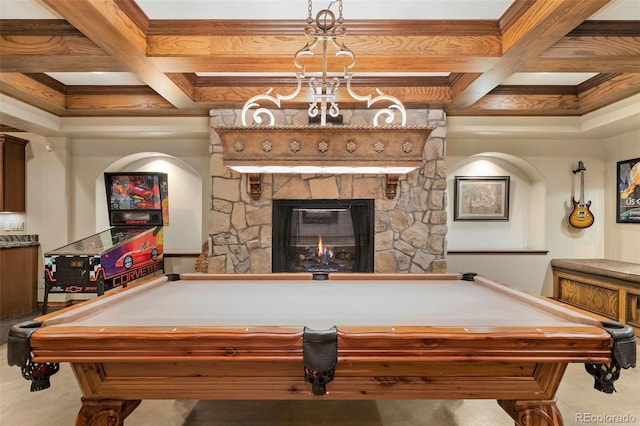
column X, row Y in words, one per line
column 324, row 30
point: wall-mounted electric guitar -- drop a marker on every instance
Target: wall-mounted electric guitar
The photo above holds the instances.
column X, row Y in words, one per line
column 580, row 216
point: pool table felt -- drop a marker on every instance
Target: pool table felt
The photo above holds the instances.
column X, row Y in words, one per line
column 323, row 304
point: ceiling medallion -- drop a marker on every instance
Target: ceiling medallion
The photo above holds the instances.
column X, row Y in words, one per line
column 323, row 146
column 266, row 146
column 325, row 33
column 379, row 146
column 238, row 146
column 407, row 146
column 294, row 146
column 351, row 146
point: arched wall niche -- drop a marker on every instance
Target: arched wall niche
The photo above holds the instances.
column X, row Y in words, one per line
column 525, row 229
column 185, row 198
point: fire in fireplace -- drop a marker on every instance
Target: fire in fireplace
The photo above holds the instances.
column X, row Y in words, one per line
column 323, row 235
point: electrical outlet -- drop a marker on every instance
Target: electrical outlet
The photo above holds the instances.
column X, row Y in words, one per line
column 20, row 226
column 7, row 226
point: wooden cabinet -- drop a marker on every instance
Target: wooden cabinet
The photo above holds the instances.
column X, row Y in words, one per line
column 12, row 174
column 18, row 281
column 607, row 287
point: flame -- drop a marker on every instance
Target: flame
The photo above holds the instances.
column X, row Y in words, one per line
column 324, row 252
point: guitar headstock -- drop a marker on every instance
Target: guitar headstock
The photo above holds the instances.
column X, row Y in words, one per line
column 580, row 168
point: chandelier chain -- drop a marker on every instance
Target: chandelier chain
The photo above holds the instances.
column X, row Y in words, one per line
column 310, row 11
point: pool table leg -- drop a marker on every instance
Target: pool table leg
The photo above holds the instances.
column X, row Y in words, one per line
column 104, row 412
column 533, row 413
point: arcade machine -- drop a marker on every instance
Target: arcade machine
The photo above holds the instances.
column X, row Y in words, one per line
column 131, row 249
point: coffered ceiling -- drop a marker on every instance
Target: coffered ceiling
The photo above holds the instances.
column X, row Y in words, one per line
column 90, row 58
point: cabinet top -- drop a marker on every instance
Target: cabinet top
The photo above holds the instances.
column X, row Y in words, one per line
column 12, row 139
column 626, row 271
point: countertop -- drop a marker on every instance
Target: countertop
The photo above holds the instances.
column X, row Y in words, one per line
column 18, row 241
column 625, row 271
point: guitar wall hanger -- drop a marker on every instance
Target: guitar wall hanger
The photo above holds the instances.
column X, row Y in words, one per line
column 580, row 216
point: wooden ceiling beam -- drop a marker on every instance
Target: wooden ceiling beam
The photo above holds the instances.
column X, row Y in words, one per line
column 115, row 32
column 612, row 90
column 625, row 64
column 284, row 64
column 33, row 92
column 116, row 103
column 540, row 26
column 387, row 45
column 59, row 63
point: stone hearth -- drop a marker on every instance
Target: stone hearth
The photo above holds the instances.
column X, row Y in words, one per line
column 410, row 230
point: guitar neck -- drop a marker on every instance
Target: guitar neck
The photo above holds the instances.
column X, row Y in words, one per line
column 581, row 202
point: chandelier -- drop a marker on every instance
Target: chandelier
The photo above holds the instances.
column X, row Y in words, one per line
column 325, row 33
column 387, row 146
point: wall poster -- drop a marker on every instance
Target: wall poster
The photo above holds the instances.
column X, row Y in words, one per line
column 628, row 208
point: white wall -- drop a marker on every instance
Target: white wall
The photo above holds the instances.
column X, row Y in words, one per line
column 90, row 158
column 184, row 234
column 47, row 191
column 47, row 197
column 512, row 234
column 554, row 160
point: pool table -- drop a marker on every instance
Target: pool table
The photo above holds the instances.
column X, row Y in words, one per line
column 351, row 336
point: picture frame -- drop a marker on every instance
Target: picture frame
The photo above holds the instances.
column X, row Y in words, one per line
column 481, row 198
column 628, row 191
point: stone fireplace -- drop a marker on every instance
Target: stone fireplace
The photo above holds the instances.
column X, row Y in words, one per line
column 408, row 231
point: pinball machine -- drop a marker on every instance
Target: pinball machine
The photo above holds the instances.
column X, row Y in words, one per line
column 131, row 249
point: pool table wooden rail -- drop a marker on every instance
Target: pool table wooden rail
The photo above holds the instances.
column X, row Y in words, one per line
column 355, row 344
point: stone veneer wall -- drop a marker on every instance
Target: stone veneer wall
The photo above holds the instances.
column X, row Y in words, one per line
column 410, row 230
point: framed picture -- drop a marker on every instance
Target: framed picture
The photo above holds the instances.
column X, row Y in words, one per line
column 481, row 198
column 628, row 191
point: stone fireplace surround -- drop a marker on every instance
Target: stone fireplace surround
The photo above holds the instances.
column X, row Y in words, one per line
column 410, row 230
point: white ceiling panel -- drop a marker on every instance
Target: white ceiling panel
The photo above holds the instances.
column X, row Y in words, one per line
column 26, row 9
column 619, row 10
column 297, row 9
column 96, row 78
column 548, row 78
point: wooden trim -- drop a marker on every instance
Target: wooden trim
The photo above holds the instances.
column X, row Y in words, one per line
column 606, row 28
column 355, row 27
column 534, row 90
column 513, row 13
column 37, row 27
column 135, row 13
column 48, row 81
column 596, row 81
column 498, row 251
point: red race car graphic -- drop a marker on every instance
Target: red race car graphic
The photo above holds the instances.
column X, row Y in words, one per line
column 145, row 253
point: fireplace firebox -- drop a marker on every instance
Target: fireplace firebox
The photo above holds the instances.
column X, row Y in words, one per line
column 323, row 235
